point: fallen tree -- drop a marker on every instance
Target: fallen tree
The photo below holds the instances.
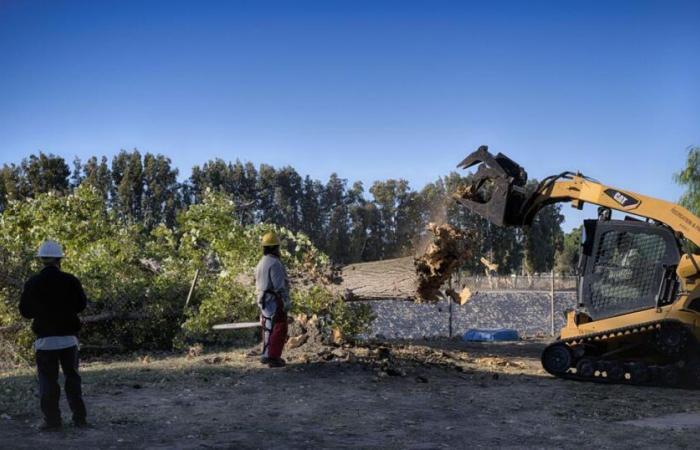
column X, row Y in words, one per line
column 92, row 319
column 380, row 280
column 420, row 278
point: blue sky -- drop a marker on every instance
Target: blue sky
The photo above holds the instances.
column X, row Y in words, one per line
column 370, row 90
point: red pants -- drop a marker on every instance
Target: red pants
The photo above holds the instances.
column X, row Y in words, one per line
column 275, row 336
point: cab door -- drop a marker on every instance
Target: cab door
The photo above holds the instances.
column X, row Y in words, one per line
column 626, row 266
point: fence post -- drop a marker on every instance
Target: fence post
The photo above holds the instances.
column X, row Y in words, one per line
column 449, row 301
column 551, row 303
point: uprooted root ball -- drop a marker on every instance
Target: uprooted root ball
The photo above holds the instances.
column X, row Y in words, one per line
column 446, row 253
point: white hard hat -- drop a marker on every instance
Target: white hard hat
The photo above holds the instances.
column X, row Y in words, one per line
column 50, row 249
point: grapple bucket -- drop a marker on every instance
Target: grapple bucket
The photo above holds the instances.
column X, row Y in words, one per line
column 497, row 190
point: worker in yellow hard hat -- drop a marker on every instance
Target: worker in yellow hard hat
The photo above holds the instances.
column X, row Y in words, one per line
column 270, row 240
column 272, row 288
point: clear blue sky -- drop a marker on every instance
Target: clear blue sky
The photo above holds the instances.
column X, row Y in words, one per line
column 370, row 90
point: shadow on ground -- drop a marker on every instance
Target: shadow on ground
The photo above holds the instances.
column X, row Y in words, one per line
column 469, row 398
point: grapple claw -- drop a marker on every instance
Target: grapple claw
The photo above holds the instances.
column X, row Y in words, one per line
column 497, row 189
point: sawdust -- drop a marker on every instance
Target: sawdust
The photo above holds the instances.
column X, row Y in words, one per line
column 446, row 253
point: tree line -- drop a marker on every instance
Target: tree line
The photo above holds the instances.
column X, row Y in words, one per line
column 347, row 221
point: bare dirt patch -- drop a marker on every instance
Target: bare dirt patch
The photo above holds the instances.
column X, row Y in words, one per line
column 427, row 394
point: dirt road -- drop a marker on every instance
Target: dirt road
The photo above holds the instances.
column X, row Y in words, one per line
column 433, row 394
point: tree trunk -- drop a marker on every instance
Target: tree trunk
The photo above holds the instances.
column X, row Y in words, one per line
column 380, row 280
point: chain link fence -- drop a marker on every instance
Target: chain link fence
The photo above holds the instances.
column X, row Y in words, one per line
column 542, row 282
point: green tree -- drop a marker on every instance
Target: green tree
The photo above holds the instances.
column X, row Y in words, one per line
column 265, row 188
column 335, row 209
column 287, row 198
column 400, row 210
column 160, row 195
column 12, row 185
column 46, row 173
column 359, row 222
column 542, row 239
column 97, row 174
column 310, row 206
column 127, row 195
column 213, row 175
column 689, row 178
column 243, row 181
column 76, row 177
column 101, row 251
column 568, row 256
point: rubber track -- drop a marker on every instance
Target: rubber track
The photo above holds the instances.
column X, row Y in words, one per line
column 610, row 334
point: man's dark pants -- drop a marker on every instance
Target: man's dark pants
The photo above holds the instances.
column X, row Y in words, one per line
column 47, row 362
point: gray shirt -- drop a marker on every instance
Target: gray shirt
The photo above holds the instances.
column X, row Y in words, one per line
column 271, row 279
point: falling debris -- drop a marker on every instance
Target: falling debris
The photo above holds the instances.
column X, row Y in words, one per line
column 446, row 253
column 491, row 268
column 465, row 296
column 195, row 351
column 410, row 278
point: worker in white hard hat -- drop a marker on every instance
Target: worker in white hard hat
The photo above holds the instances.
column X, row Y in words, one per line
column 53, row 299
column 272, row 289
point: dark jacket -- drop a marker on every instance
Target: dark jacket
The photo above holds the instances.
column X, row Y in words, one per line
column 53, row 299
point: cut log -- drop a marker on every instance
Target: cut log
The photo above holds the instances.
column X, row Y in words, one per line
column 380, row 280
column 419, row 278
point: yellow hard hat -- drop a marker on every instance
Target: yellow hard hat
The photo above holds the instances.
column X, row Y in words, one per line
column 270, row 239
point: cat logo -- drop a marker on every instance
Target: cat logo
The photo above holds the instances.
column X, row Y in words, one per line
column 625, row 200
column 619, row 198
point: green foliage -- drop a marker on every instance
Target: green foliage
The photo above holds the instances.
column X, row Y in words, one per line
column 567, row 257
column 689, row 178
column 34, row 176
column 131, row 273
column 102, row 252
column 226, row 252
column 351, row 319
column 340, row 218
column 543, row 238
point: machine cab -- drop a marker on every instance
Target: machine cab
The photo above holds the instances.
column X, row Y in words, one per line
column 626, row 266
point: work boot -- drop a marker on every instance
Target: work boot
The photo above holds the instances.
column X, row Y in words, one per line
column 50, row 426
column 264, row 360
column 276, row 362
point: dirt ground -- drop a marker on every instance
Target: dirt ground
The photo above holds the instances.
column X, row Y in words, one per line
column 419, row 395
